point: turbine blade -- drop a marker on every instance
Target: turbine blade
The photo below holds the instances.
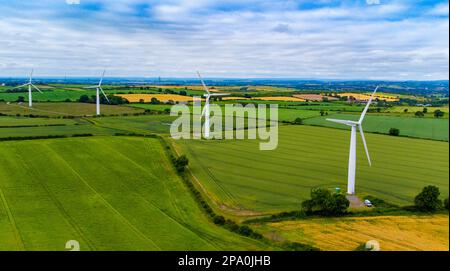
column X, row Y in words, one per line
column 36, row 88
column 365, row 144
column 220, row 94
column 24, row 85
column 31, row 75
column 367, row 106
column 203, row 83
column 346, row 122
column 101, row 79
column 104, row 94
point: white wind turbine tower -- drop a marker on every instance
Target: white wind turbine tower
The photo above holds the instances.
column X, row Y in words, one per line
column 352, row 156
column 29, row 85
column 206, row 111
column 97, row 97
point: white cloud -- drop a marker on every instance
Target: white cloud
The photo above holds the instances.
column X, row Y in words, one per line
column 440, row 10
column 373, row 2
column 179, row 37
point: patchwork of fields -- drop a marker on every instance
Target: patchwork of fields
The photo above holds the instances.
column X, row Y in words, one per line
column 237, row 174
column 83, row 189
column 428, row 128
column 121, row 193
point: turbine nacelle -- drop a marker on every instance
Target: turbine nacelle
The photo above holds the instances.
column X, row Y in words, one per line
column 99, row 87
column 208, row 95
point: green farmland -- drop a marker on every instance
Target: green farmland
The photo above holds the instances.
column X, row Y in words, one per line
column 427, row 128
column 238, row 175
column 64, row 109
column 79, row 189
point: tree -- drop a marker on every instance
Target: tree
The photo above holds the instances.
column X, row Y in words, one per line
column 405, row 110
column 394, row 132
column 428, row 200
column 21, row 99
column 183, row 92
column 181, row 163
column 155, row 101
column 425, row 110
column 298, row 121
column 446, row 203
column 419, row 114
column 84, row 99
column 325, row 203
column 322, row 112
column 438, row 113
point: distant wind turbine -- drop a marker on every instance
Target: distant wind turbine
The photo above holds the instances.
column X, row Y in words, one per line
column 352, row 156
column 29, row 85
column 206, row 111
column 99, row 88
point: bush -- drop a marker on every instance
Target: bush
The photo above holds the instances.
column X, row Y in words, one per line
column 394, row 132
column 219, row 220
column 298, row 121
column 419, row 114
column 181, row 163
column 294, row 246
column 84, row 99
column 428, row 200
column 438, row 114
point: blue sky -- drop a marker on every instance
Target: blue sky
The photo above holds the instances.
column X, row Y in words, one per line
column 367, row 39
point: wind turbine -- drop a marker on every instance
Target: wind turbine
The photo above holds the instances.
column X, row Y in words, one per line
column 206, row 111
column 99, row 88
column 352, row 156
column 29, row 85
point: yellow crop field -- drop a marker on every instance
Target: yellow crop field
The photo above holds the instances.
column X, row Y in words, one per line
column 231, row 98
column 392, row 232
column 284, row 99
column 366, row 97
column 135, row 98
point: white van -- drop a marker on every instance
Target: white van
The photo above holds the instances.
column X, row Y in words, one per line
column 368, row 203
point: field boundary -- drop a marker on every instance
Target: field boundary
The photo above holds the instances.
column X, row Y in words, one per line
column 228, row 224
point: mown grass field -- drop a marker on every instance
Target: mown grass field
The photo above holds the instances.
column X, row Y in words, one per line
column 108, row 193
column 398, row 233
column 429, row 128
column 240, row 176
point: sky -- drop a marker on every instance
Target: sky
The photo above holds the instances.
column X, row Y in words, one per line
column 322, row 39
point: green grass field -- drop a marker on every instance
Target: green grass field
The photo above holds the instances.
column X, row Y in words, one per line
column 284, row 114
column 241, row 176
column 61, row 93
column 427, row 128
column 108, row 193
column 65, row 109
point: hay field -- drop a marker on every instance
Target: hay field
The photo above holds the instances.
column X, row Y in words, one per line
column 396, row 233
column 135, row 98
